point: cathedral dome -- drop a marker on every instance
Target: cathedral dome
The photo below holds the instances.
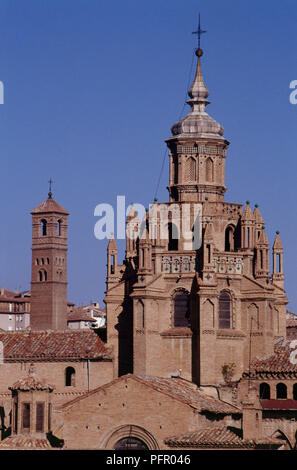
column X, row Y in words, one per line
column 198, row 122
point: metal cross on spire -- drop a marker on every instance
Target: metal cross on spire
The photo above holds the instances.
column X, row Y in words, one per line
column 199, row 32
column 50, row 182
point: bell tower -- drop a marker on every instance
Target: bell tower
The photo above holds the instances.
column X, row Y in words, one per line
column 49, row 266
column 197, row 149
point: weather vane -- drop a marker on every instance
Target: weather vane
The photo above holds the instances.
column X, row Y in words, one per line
column 199, row 32
column 50, row 182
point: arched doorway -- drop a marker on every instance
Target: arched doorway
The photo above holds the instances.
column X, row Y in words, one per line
column 129, row 437
column 130, row 443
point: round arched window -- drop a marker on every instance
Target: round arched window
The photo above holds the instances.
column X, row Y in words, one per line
column 130, row 443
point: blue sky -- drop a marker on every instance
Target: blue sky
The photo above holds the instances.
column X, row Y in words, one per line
column 91, row 91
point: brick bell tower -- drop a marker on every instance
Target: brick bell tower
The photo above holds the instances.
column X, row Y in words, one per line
column 49, row 266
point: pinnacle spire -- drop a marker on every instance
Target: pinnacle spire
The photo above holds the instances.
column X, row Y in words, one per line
column 277, row 242
column 198, row 91
column 198, row 122
column 112, row 243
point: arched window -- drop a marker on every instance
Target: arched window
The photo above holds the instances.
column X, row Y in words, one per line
column 40, row 276
column 70, row 377
column 48, row 260
column 224, row 310
column 43, row 227
column 173, row 237
column 295, row 392
column 130, row 443
column 175, row 165
column 140, row 315
column 181, row 309
column 59, row 225
column 281, row 391
column 209, row 170
column 191, row 169
column 229, row 238
column 264, row 391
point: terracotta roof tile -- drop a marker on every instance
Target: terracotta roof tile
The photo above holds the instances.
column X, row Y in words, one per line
column 25, row 443
column 189, row 394
column 217, row 437
column 278, row 362
column 177, row 388
column 31, row 383
column 214, row 436
column 53, row 345
column 49, row 205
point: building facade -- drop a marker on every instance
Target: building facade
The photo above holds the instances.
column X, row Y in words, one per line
column 196, row 354
column 196, row 279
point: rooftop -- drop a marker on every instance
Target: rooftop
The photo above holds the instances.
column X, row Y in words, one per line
column 53, row 345
column 280, row 362
column 177, row 388
column 218, row 437
column 24, row 443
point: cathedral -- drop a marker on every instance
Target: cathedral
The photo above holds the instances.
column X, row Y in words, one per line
column 195, row 354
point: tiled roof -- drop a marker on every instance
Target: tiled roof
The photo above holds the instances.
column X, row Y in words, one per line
column 53, row 345
column 83, row 313
column 189, row 394
column 31, row 383
column 177, row 388
column 49, row 205
column 25, row 443
column 79, row 314
column 7, row 295
column 280, row 362
column 218, row 437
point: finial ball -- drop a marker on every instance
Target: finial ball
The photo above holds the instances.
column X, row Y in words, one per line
column 199, row 52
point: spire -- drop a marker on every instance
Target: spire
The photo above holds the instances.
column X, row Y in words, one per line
column 112, row 243
column 198, row 91
column 258, row 217
column 248, row 213
column 50, row 182
column 277, row 245
column 263, row 239
column 198, row 121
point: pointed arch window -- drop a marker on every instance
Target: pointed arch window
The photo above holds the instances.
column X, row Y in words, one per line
column 209, row 170
column 140, row 315
column 175, row 166
column 224, row 311
column 42, row 275
column 229, row 238
column 191, row 169
column 181, row 309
